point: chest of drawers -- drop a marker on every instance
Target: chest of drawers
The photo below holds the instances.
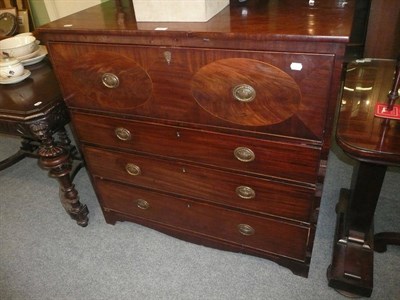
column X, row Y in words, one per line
column 216, row 133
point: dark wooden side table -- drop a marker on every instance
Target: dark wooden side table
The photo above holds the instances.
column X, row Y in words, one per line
column 35, row 110
column 375, row 144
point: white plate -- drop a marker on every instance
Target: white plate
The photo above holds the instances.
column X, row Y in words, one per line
column 38, row 58
column 32, row 54
column 16, row 79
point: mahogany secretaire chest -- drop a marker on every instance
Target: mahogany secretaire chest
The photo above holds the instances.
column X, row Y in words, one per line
column 218, row 132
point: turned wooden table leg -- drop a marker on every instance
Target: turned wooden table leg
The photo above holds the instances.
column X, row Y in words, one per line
column 57, row 159
column 77, row 160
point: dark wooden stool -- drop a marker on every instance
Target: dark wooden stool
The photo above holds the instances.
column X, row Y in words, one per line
column 34, row 109
column 374, row 143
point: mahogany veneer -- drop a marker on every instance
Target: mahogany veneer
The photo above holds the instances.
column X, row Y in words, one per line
column 217, row 133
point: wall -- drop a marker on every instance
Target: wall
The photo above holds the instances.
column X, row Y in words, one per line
column 383, row 35
column 39, row 13
column 44, row 11
column 61, row 8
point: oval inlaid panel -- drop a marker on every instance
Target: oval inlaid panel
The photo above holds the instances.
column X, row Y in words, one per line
column 246, row 92
column 133, row 85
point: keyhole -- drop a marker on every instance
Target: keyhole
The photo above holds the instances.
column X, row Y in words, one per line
column 168, row 56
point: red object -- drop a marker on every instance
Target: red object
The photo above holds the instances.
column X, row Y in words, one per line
column 382, row 112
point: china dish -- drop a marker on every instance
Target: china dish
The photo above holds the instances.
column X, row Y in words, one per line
column 18, row 46
column 16, row 79
column 10, row 67
column 30, row 55
column 38, row 57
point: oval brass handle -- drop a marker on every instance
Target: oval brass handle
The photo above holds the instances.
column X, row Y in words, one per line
column 133, row 169
column 244, row 154
column 110, row 80
column 245, row 192
column 244, row 93
column 142, row 204
column 123, row 134
column 246, row 229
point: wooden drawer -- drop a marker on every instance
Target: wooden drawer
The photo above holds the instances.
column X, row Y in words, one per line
column 281, row 93
column 283, row 160
column 259, row 233
column 245, row 192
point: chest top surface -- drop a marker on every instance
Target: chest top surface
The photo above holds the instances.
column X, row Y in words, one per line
column 273, row 20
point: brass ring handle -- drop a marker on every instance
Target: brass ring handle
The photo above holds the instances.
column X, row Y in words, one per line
column 142, row 204
column 244, row 93
column 123, row 134
column 133, row 169
column 110, row 80
column 246, row 229
column 244, row 154
column 245, row 192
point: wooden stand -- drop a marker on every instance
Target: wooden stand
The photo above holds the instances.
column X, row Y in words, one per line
column 40, row 119
column 374, row 143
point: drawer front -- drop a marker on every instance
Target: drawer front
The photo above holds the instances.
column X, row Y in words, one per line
column 283, row 160
column 254, row 232
column 264, row 196
column 282, row 93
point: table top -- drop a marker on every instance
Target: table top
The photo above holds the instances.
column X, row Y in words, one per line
column 359, row 132
column 257, row 20
column 32, row 97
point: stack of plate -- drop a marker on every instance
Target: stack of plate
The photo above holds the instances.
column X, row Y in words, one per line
column 32, row 58
column 23, row 48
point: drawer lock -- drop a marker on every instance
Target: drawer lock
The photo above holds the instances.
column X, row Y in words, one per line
column 245, row 192
column 168, row 56
column 246, row 229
